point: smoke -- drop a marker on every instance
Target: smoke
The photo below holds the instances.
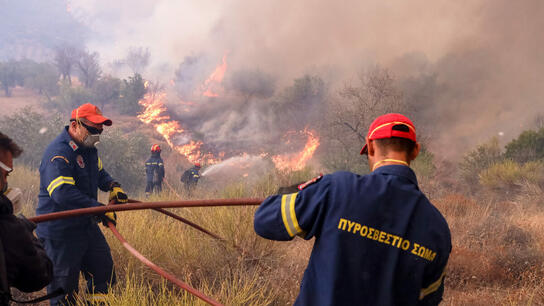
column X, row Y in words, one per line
column 469, row 70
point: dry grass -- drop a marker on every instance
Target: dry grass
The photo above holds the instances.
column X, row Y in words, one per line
column 496, row 259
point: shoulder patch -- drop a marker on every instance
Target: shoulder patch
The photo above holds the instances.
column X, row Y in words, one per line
column 60, row 157
column 73, row 145
column 310, row 182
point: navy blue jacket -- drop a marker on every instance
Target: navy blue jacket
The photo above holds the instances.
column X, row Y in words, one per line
column 379, row 241
column 70, row 176
column 154, row 168
column 190, row 176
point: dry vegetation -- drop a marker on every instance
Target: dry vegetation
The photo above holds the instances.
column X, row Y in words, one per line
column 497, row 253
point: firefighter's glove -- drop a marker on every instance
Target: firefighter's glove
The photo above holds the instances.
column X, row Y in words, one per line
column 117, row 194
column 289, row 189
column 110, row 216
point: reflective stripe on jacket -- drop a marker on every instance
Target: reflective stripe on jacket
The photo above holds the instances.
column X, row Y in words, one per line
column 378, row 240
column 70, row 176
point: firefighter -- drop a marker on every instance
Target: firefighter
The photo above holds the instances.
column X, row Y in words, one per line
column 70, row 174
column 23, row 261
column 154, row 170
column 378, row 239
column 190, row 177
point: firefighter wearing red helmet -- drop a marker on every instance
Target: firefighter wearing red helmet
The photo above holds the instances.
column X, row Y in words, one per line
column 190, row 177
column 154, row 170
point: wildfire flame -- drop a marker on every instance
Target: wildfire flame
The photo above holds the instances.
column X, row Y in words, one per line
column 215, row 79
column 297, row 161
column 154, row 113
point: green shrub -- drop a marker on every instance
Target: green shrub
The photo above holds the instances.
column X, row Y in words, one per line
column 527, row 147
column 32, row 132
column 132, row 91
column 71, row 97
column 509, row 175
column 123, row 154
column 478, row 160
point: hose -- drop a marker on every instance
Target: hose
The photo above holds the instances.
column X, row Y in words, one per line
column 144, row 205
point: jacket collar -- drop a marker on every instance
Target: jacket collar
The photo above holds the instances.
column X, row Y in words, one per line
column 66, row 138
column 398, row 170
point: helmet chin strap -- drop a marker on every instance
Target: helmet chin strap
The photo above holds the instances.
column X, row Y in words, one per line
column 402, row 162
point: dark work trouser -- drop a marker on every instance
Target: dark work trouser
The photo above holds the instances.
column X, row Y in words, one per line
column 90, row 255
column 153, row 186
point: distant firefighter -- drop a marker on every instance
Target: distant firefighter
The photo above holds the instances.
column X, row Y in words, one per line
column 190, row 177
column 154, row 170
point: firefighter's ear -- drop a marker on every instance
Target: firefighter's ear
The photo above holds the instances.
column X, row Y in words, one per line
column 414, row 152
column 371, row 148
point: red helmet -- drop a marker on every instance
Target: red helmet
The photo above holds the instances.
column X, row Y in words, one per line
column 155, row 148
column 197, row 164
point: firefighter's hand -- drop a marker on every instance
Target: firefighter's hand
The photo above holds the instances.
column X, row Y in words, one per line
column 289, row 189
column 118, row 195
column 108, row 217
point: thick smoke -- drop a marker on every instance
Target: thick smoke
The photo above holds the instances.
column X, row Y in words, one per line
column 469, row 70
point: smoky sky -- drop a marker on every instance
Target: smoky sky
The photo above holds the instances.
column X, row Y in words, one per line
column 470, row 69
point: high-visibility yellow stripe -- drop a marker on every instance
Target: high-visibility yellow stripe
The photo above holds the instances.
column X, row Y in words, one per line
column 58, row 184
column 284, row 216
column 59, row 181
column 100, row 166
column 288, row 214
column 432, row 287
column 389, row 123
column 293, row 215
column 53, row 182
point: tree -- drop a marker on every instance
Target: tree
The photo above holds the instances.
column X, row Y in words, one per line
column 529, row 146
column 375, row 95
column 106, row 90
column 89, row 68
column 302, row 103
column 252, row 83
column 132, row 91
column 10, row 76
column 65, row 59
column 72, row 97
column 43, row 78
column 351, row 113
column 138, row 59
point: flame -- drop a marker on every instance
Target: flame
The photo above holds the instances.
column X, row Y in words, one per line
column 215, row 79
column 153, row 108
column 297, row 161
column 154, row 114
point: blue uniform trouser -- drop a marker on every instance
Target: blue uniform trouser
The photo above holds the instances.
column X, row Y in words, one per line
column 90, row 255
column 153, row 186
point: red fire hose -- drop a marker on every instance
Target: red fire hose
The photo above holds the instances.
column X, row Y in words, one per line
column 146, row 205
column 180, row 218
column 160, row 271
column 159, row 207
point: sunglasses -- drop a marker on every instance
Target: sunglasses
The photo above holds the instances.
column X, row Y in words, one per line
column 92, row 130
column 6, row 168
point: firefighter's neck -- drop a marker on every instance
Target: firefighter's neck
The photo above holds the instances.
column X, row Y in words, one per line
column 381, row 158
